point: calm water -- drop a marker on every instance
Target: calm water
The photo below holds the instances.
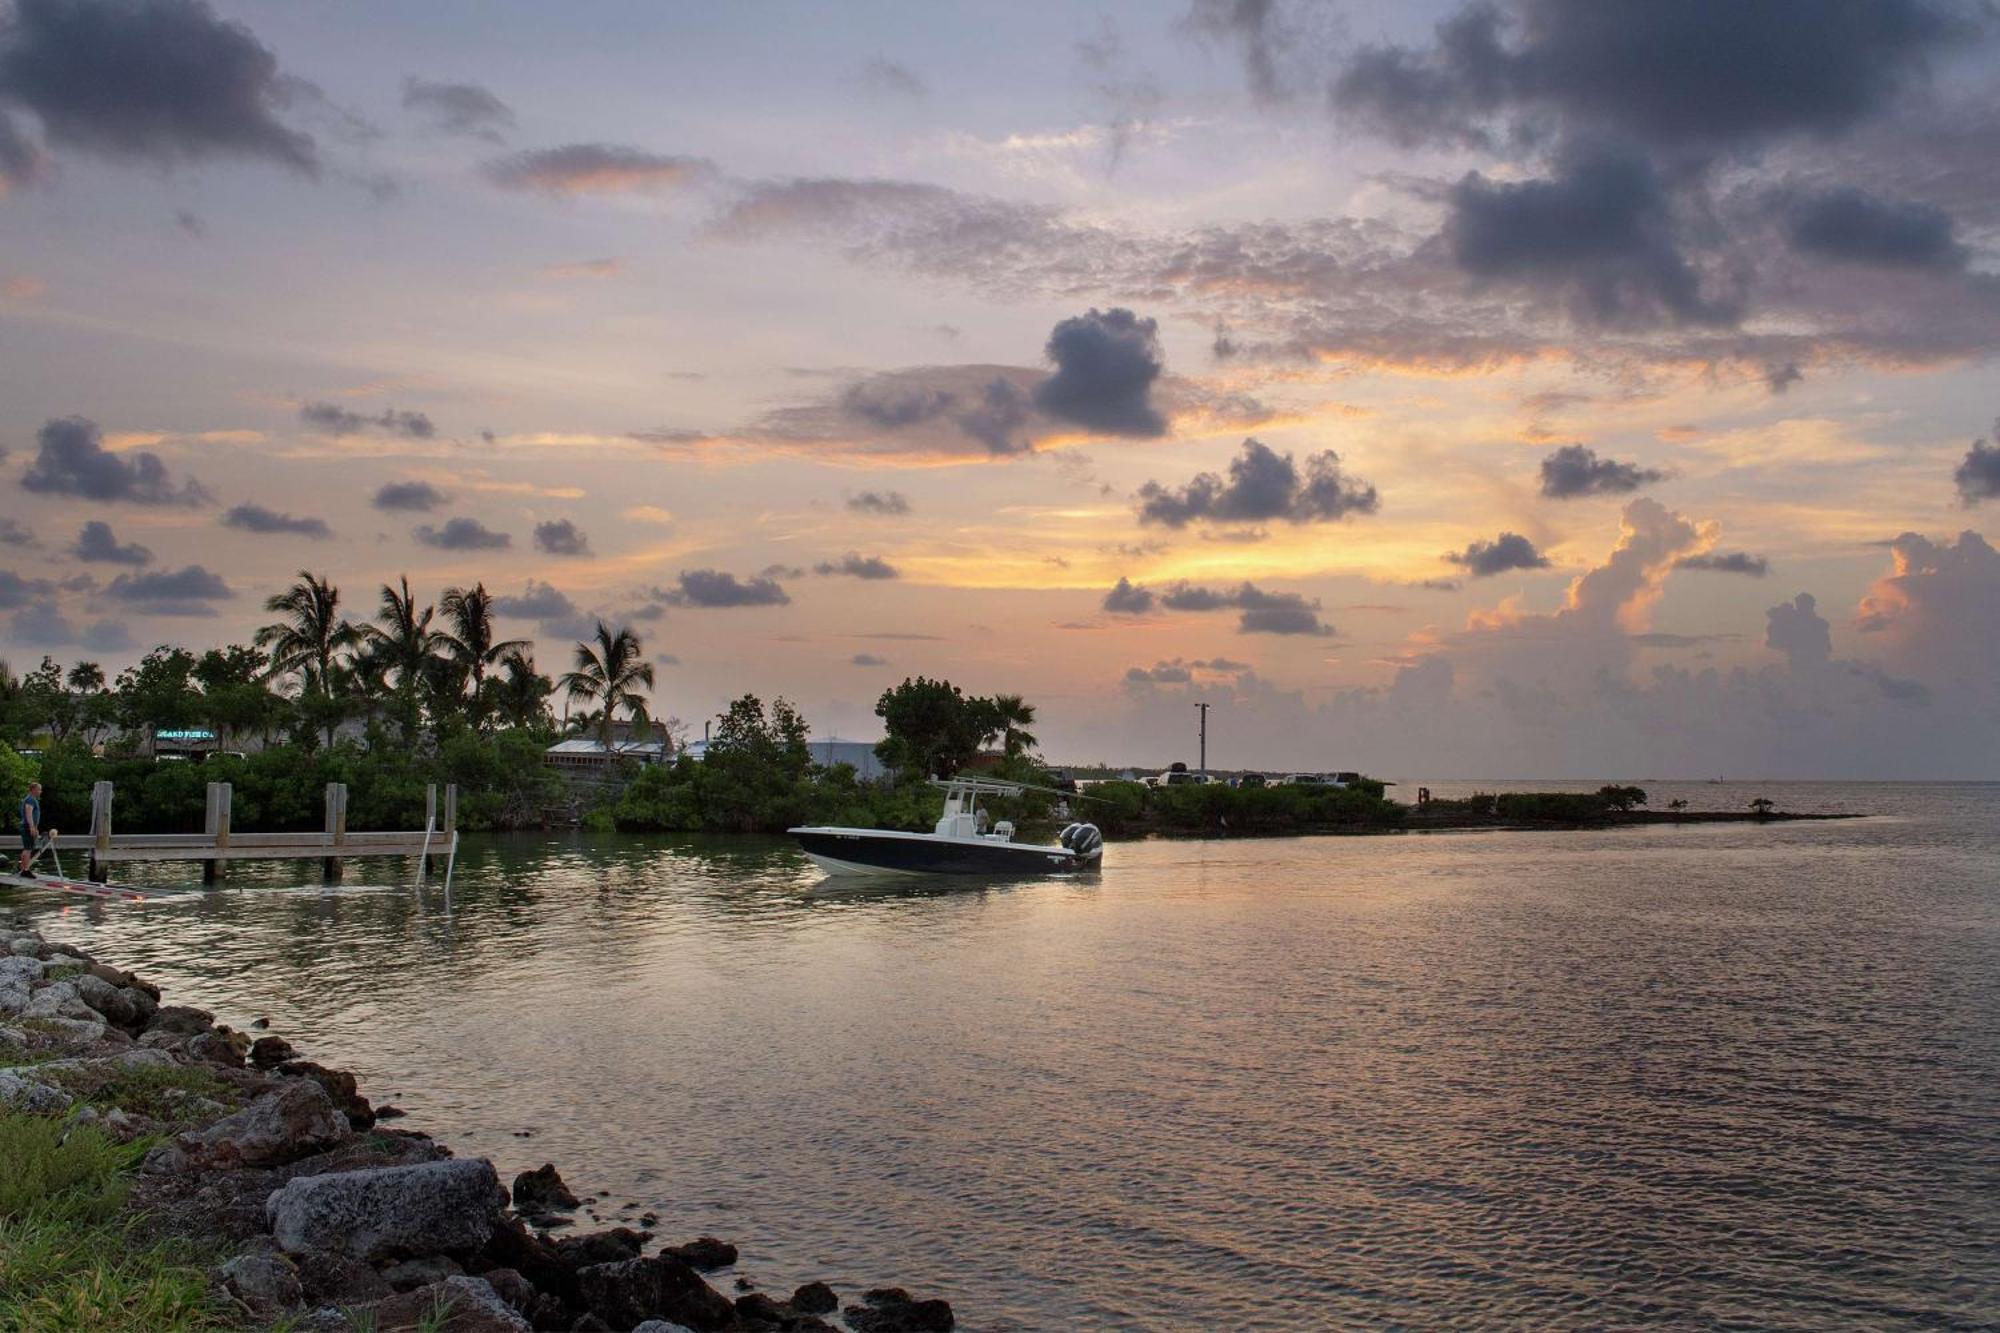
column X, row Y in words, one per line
column 1701, row 1076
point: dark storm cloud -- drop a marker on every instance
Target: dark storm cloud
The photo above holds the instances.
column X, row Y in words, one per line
column 561, row 537
column 1727, row 562
column 594, row 168
column 17, row 591
column 160, row 82
column 1848, row 224
column 1696, row 74
column 879, row 502
column 96, row 544
column 1127, row 598
column 1262, row 484
column 269, row 522
column 1510, row 550
column 462, row 534
column 858, row 566
column 1599, row 232
column 458, row 108
column 1978, row 473
column 333, row 419
column 1575, row 470
column 71, row 460
column 409, row 496
column 1106, row 362
column 715, row 588
column 1261, row 612
column 179, row 592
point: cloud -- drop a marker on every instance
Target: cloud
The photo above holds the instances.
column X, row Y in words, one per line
column 96, row 544
column 154, row 82
column 1262, row 484
column 256, row 518
column 14, row 533
column 714, row 588
column 1179, row 671
column 71, row 460
column 561, row 537
column 1575, row 470
column 1977, row 475
column 179, row 592
column 1251, row 24
column 405, row 496
column 1848, row 224
column 1128, row 599
column 1598, row 232
column 1106, row 362
column 586, row 268
column 1508, row 551
column 458, row 108
column 43, row 624
column 21, row 162
column 462, row 534
column 889, row 76
column 594, row 168
column 333, row 419
column 556, row 616
column 867, row 660
column 1727, row 562
column 1261, row 612
column 1797, row 630
column 1936, row 614
column 858, row 566
column 879, row 502
column 17, row 591
column 1683, row 76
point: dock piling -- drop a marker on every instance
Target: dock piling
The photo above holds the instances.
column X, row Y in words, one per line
column 100, row 832
column 216, row 826
column 332, row 866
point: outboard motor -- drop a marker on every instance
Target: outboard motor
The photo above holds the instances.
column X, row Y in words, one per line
column 1082, row 839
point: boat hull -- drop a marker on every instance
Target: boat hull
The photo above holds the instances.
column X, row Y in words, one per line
column 871, row 852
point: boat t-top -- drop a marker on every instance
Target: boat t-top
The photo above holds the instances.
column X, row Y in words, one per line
column 959, row 845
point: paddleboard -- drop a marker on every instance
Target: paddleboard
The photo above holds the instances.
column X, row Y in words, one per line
column 82, row 886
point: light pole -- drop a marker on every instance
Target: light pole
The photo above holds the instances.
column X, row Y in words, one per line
column 1204, row 738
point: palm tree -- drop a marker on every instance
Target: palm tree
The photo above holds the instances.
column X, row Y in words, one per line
column 609, row 674
column 1012, row 716
column 523, row 693
column 402, row 638
column 470, row 643
column 309, row 642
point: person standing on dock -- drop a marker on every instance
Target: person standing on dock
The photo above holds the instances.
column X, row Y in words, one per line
column 31, row 824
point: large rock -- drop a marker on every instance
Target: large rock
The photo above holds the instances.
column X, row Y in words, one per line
column 265, row 1282
column 891, row 1310
column 660, row 1326
column 433, row 1208
column 60, row 999
column 116, row 1004
column 270, row 1052
column 455, row 1305
column 25, row 970
column 181, row 1020
column 296, row 1120
column 542, row 1191
column 706, row 1253
column 815, row 1298
column 634, row 1290
column 25, row 1094
column 339, row 1085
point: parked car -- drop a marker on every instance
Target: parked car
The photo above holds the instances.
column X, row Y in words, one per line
column 1248, row 780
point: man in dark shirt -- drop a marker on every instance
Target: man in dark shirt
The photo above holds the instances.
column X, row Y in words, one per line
column 31, row 824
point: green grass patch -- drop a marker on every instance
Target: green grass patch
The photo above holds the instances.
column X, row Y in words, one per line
column 158, row 1092
column 13, row 1054
column 68, row 1261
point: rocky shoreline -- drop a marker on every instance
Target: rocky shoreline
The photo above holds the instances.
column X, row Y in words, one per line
column 328, row 1220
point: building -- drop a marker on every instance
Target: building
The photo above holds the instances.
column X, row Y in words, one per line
column 590, row 759
column 825, row 753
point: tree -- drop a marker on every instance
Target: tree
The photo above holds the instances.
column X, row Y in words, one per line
column 308, row 643
column 1011, row 716
column 1622, row 798
column 234, row 700
column 608, row 674
column 402, row 644
column 933, row 729
column 158, row 694
column 755, row 770
column 45, row 702
column 1763, row 805
column 1678, row 805
column 522, row 693
column 469, row 642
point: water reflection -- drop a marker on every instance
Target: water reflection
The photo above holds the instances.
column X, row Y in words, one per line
column 1705, row 1074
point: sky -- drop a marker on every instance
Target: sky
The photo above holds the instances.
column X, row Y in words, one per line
column 1539, row 388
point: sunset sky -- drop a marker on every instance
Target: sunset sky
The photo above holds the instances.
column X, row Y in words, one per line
column 1549, row 388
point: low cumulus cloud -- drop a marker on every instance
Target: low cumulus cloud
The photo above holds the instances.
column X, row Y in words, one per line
column 15, row 533
column 43, row 624
column 462, row 534
column 1575, row 470
column 594, row 168
column 409, row 497
column 157, row 83
column 458, row 108
column 1106, row 363
column 1179, row 671
column 715, row 588
column 1856, row 227
column 883, row 503
column 71, row 459
column 180, row 592
column 269, row 522
column 554, row 614
column 17, row 590
column 858, row 566
column 1260, row 612
column 1510, row 550
column 1727, row 562
column 96, row 544
column 333, row 419
column 1797, row 630
column 1978, row 473
column 1262, row 484
column 561, row 537
column 1127, row 598
column 867, row 660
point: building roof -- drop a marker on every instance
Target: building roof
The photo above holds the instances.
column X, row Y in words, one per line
column 587, row 747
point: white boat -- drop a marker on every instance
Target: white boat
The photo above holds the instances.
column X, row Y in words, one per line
column 959, row 845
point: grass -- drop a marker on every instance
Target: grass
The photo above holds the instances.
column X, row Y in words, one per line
column 68, row 1261
column 13, row 1054
column 158, row 1092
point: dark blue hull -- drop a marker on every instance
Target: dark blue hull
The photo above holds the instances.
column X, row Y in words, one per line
column 841, row 851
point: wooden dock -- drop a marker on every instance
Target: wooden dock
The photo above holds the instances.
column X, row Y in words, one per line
column 219, row 843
